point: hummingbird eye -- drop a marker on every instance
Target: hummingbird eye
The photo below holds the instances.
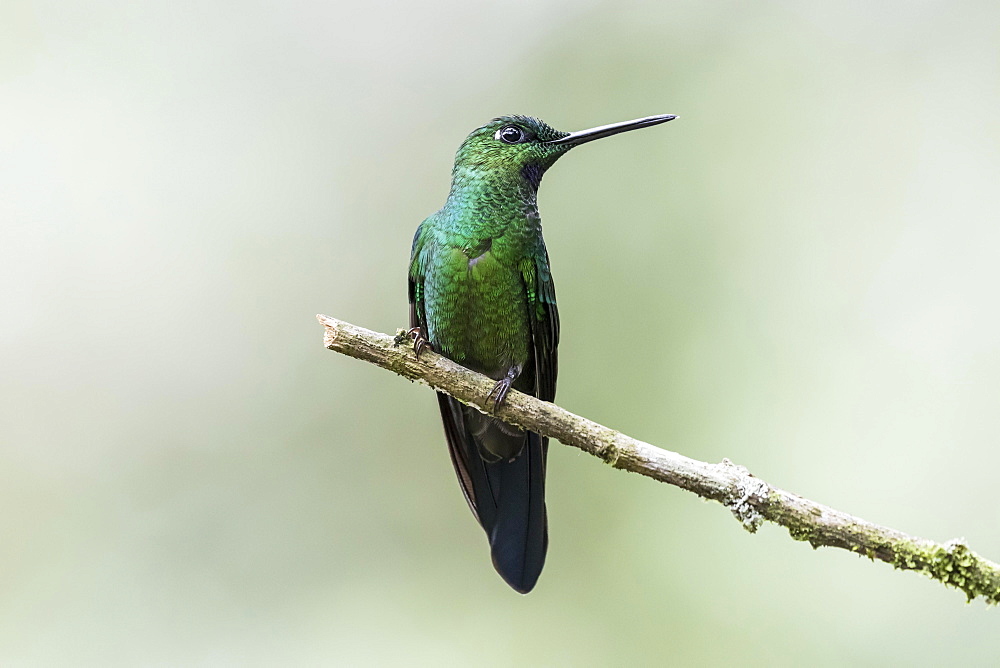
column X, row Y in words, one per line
column 510, row 134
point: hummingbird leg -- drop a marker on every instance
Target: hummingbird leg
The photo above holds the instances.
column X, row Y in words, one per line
column 419, row 341
column 499, row 391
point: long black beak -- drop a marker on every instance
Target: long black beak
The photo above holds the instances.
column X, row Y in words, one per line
column 584, row 136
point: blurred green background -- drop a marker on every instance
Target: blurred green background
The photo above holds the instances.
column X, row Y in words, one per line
column 800, row 274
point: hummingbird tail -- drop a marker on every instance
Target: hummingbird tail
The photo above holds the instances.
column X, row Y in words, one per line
column 519, row 538
column 506, row 496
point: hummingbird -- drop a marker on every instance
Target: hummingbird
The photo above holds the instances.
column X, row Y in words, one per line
column 481, row 294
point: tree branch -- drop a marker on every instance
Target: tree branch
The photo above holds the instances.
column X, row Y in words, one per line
column 749, row 498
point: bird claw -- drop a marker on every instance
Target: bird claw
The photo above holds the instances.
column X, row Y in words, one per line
column 419, row 341
column 499, row 392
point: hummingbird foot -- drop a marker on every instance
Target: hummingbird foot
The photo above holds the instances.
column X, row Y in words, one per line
column 419, row 341
column 499, row 391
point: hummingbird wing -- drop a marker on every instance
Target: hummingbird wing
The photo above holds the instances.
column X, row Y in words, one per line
column 544, row 326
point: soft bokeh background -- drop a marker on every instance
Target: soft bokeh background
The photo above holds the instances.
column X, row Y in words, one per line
column 800, row 274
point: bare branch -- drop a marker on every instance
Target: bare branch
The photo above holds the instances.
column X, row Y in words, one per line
column 749, row 498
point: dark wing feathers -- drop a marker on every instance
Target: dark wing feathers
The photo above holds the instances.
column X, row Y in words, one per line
column 545, row 326
column 473, row 473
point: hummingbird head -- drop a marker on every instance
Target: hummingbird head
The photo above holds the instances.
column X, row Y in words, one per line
column 516, row 150
column 512, row 150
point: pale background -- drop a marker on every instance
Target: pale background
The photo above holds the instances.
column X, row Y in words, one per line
column 799, row 274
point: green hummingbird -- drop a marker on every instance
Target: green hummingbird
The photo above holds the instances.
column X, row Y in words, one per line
column 481, row 294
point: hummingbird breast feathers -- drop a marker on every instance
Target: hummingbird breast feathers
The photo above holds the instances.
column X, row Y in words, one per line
column 475, row 309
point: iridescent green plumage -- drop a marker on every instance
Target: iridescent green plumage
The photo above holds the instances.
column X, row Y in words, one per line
column 481, row 294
